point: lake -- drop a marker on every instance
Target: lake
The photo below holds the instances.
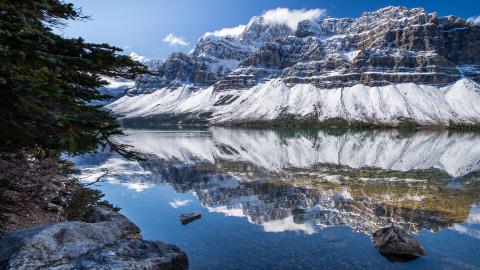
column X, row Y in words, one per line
column 299, row 198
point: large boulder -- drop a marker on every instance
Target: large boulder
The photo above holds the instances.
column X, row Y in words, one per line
column 396, row 242
column 110, row 241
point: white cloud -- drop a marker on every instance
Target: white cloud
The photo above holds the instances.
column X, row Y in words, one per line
column 292, row 17
column 178, row 203
column 174, row 40
column 274, row 16
column 227, row 32
column 140, row 58
column 474, row 19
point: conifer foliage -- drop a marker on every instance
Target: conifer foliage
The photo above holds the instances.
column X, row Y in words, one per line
column 47, row 81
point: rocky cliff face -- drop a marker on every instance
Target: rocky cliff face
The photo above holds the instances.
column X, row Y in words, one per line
column 390, row 46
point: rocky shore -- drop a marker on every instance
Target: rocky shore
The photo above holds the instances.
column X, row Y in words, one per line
column 106, row 240
column 51, row 221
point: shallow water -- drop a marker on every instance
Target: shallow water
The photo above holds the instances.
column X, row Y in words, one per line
column 299, row 199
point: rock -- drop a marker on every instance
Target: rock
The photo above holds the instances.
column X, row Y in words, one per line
column 53, row 207
column 60, row 184
column 393, row 241
column 187, row 218
column 60, row 200
column 110, row 242
column 102, row 214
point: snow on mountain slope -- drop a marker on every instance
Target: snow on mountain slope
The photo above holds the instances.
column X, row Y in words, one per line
column 383, row 105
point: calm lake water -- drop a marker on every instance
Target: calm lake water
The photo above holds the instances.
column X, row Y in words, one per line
column 299, row 199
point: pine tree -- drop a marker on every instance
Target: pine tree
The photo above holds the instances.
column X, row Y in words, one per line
column 47, row 80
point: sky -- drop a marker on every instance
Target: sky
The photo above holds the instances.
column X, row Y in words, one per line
column 155, row 28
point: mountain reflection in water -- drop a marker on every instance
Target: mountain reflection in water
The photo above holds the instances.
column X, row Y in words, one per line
column 287, row 180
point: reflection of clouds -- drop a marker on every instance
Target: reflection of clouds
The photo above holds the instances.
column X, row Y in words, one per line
column 472, row 232
column 471, row 226
column 227, row 211
column 474, row 216
column 112, row 169
column 179, row 203
column 287, row 224
column 273, row 226
column 138, row 187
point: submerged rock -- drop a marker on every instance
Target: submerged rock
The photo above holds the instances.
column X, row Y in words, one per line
column 110, row 242
column 393, row 241
column 187, row 218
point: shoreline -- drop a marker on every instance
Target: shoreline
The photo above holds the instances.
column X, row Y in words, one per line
column 336, row 123
column 64, row 223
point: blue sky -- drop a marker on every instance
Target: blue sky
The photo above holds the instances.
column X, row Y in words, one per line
column 141, row 26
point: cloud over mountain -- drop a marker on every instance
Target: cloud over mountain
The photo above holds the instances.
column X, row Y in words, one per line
column 175, row 40
column 474, row 19
column 227, row 32
column 292, row 17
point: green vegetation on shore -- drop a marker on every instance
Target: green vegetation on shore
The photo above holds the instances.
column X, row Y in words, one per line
column 287, row 121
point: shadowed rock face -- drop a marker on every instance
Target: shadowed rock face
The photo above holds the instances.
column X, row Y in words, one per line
column 391, row 45
column 179, row 68
column 108, row 241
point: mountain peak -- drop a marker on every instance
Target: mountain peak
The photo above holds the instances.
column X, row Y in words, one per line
column 394, row 53
column 390, row 45
column 259, row 30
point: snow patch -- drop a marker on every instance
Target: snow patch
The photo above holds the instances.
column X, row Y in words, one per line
column 270, row 100
column 350, row 55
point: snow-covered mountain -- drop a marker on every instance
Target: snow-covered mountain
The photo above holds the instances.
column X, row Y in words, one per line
column 386, row 67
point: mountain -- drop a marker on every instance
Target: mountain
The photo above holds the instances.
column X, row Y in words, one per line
column 389, row 67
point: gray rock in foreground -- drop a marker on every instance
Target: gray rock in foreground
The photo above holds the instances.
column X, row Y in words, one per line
column 111, row 241
column 394, row 241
